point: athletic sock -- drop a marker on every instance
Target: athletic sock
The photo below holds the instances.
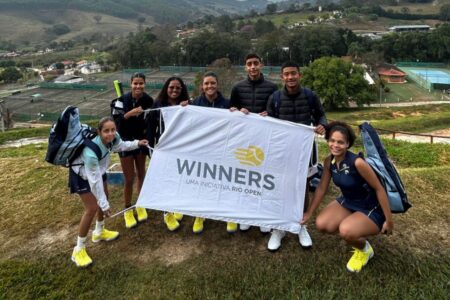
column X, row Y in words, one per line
column 366, row 246
column 99, row 225
column 81, row 242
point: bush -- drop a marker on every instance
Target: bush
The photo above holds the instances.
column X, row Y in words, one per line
column 387, row 89
column 60, row 29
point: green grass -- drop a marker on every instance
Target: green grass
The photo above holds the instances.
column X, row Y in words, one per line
column 39, row 219
column 15, row 134
column 418, row 119
column 415, row 8
column 287, row 18
column 408, row 92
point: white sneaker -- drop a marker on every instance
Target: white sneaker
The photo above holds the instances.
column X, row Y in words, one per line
column 264, row 229
column 304, row 238
column 275, row 239
column 244, row 227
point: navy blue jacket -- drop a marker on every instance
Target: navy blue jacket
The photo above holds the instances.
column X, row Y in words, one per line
column 219, row 102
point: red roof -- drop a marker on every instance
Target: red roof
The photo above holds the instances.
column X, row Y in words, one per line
column 391, row 72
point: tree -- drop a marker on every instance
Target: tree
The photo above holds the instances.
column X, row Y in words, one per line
column 224, row 24
column 311, row 18
column 10, row 75
column 271, row 8
column 444, row 12
column 60, row 29
column 97, row 18
column 337, row 82
column 59, row 66
column 405, row 10
column 141, row 21
column 262, row 26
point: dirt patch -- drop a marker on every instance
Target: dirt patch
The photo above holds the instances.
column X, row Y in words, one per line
column 171, row 251
column 46, row 241
column 24, row 142
column 396, row 114
column 30, row 125
column 441, row 132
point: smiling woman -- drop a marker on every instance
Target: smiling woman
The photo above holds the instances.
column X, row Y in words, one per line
column 132, row 125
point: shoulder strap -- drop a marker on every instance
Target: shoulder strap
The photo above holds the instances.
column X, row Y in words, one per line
column 94, row 147
column 276, row 100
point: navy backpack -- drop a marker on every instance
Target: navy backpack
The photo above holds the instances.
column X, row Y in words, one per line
column 377, row 158
column 68, row 137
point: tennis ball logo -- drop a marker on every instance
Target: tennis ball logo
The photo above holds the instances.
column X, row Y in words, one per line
column 251, row 156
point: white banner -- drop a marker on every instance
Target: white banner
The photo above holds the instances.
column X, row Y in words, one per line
column 228, row 166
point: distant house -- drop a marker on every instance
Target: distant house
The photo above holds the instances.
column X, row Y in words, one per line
column 67, row 64
column 68, row 79
column 91, row 68
column 185, row 33
column 392, row 75
column 81, row 63
column 405, row 28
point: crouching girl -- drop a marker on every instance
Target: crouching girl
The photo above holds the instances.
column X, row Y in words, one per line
column 87, row 177
column 363, row 208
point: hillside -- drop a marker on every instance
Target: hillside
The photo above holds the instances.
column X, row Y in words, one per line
column 170, row 11
column 31, row 21
column 34, row 26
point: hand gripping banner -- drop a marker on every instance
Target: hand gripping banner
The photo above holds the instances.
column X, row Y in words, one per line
column 223, row 165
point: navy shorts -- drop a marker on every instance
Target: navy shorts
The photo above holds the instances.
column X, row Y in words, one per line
column 78, row 185
column 375, row 214
column 143, row 150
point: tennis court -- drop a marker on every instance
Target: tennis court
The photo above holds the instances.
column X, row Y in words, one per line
column 430, row 78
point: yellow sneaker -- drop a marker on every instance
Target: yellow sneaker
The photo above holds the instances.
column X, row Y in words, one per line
column 232, row 227
column 105, row 235
column 198, row 225
column 141, row 214
column 359, row 259
column 171, row 221
column 81, row 258
column 178, row 216
column 130, row 221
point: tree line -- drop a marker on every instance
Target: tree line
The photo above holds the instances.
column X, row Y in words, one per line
column 303, row 44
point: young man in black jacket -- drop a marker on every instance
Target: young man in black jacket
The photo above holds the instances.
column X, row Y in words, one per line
column 300, row 105
column 251, row 95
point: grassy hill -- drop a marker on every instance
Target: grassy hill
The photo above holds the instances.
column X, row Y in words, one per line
column 26, row 20
column 33, row 26
column 38, row 225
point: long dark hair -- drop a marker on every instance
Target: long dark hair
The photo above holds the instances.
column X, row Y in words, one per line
column 163, row 97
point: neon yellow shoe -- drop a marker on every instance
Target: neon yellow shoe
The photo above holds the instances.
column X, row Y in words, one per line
column 130, row 221
column 81, row 258
column 178, row 216
column 141, row 214
column 105, row 235
column 171, row 221
column 232, row 227
column 198, row 225
column 359, row 259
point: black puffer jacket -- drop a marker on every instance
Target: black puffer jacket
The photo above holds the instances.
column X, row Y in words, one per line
column 134, row 127
column 295, row 108
column 252, row 94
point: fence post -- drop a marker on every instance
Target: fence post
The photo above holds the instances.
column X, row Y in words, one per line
column 431, row 139
column 393, row 135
